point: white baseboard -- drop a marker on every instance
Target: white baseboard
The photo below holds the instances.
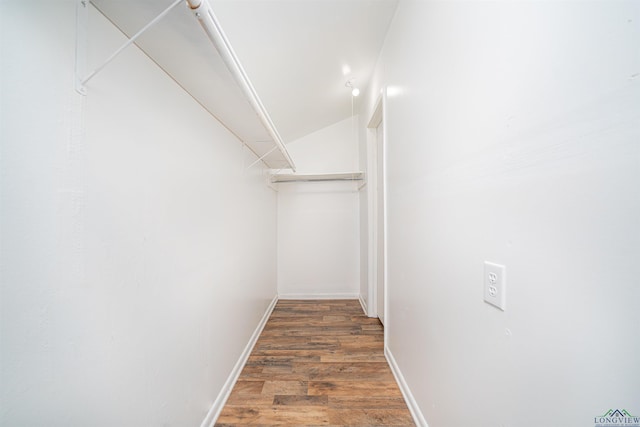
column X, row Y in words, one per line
column 346, row 295
column 418, row 418
column 363, row 305
column 218, row 404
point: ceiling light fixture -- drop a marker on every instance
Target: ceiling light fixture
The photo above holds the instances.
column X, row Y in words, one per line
column 354, row 90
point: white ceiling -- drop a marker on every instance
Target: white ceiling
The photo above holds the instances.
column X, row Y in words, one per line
column 294, row 51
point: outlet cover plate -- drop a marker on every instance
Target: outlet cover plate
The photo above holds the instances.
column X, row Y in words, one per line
column 495, row 285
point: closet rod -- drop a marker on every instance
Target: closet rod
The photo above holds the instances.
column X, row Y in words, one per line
column 317, row 177
column 203, row 12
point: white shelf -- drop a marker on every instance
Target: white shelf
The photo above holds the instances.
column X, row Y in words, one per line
column 315, row 177
column 203, row 63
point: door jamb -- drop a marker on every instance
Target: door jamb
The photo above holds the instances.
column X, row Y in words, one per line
column 378, row 116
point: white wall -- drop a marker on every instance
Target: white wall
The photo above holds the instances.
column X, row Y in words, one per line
column 318, row 235
column 513, row 137
column 137, row 255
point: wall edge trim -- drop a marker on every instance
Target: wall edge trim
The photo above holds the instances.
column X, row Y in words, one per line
column 363, row 305
column 214, row 412
column 416, row 413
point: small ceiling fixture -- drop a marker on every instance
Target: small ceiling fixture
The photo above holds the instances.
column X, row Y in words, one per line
column 354, row 90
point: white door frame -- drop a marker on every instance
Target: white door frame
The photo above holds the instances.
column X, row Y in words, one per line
column 376, row 195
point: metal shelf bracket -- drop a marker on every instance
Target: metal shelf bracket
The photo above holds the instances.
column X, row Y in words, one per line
column 82, row 16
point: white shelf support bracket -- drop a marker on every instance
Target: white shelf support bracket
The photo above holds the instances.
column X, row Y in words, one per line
column 80, row 83
column 82, row 20
column 262, row 157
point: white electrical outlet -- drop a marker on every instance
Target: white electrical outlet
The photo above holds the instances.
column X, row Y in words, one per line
column 494, row 284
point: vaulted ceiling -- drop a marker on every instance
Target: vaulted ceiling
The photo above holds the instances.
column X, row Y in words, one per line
column 297, row 53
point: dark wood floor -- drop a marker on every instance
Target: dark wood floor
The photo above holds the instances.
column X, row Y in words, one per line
column 317, row 363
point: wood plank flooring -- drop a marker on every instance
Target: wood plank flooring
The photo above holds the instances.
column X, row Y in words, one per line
column 317, row 363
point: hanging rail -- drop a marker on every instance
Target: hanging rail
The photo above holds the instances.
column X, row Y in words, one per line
column 202, row 11
column 300, row 177
column 209, row 23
